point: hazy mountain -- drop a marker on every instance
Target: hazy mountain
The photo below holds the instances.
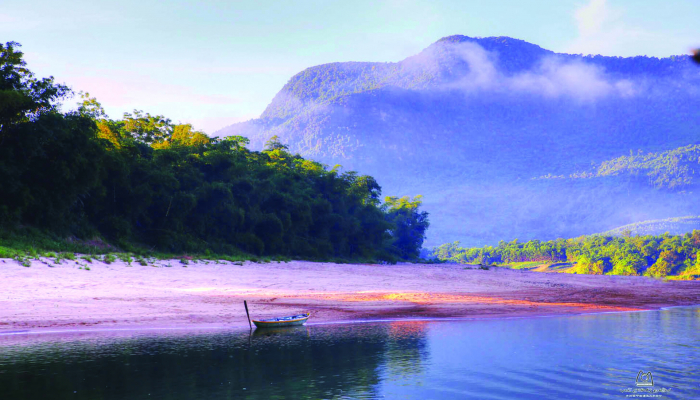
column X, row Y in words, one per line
column 474, row 123
column 674, row 226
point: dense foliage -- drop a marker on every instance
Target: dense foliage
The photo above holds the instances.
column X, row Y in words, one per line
column 656, row 256
column 145, row 180
column 672, row 170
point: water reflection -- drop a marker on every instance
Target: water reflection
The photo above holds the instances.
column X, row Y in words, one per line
column 538, row 358
column 303, row 362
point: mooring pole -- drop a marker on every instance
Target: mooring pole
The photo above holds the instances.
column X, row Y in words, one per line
column 245, row 303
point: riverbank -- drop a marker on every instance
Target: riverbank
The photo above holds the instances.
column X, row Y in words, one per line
column 207, row 293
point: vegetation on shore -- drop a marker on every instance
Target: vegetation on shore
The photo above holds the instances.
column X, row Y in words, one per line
column 676, row 256
column 145, row 184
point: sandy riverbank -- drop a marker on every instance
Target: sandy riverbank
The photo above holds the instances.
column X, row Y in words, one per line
column 199, row 294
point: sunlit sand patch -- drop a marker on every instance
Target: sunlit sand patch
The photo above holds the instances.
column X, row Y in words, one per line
column 433, row 298
column 409, row 297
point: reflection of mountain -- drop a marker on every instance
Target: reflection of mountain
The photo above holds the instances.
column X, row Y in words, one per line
column 301, row 363
column 469, row 122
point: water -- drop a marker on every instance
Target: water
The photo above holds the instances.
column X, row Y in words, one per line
column 576, row 357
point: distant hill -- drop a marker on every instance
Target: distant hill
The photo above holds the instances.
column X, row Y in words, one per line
column 674, row 226
column 468, row 122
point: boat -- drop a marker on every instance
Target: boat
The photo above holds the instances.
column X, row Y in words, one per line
column 293, row 320
column 285, row 331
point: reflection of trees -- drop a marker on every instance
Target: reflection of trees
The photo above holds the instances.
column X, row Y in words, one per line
column 310, row 362
column 406, row 350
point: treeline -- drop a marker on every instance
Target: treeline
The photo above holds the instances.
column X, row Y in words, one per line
column 147, row 181
column 673, row 170
column 656, row 256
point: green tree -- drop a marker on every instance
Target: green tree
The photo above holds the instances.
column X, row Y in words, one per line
column 23, row 96
column 409, row 223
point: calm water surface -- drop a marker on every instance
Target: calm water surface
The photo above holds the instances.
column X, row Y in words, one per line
column 578, row 357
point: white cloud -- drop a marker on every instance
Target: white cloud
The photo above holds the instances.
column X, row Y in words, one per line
column 552, row 77
column 577, row 80
column 482, row 71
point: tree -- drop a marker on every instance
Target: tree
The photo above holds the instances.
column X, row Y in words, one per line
column 183, row 135
column 91, row 108
column 409, row 224
column 274, row 144
column 238, row 142
column 666, row 262
column 147, row 128
column 23, row 96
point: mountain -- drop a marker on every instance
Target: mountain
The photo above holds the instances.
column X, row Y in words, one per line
column 473, row 124
column 674, row 226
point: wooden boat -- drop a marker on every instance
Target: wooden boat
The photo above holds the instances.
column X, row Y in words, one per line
column 293, row 320
column 288, row 331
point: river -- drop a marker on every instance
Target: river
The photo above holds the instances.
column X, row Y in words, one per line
column 568, row 357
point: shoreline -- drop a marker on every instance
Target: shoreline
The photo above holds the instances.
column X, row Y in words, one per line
column 44, row 335
column 169, row 296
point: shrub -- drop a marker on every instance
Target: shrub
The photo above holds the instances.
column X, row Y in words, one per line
column 24, row 261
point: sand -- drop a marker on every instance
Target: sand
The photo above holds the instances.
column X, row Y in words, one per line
column 45, row 296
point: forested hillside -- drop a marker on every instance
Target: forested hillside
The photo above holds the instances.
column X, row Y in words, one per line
column 469, row 122
column 147, row 183
column 675, row 169
column 655, row 256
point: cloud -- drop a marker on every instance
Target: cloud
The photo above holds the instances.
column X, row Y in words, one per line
column 482, row 69
column 552, row 77
column 578, row 80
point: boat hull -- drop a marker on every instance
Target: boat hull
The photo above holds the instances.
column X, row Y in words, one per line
column 282, row 322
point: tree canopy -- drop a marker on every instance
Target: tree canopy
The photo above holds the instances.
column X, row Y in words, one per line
column 147, row 181
column 656, row 256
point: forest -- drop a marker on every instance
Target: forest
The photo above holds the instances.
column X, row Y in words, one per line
column 670, row 170
column 146, row 183
column 654, row 256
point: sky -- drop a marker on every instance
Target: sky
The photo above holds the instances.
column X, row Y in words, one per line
column 214, row 63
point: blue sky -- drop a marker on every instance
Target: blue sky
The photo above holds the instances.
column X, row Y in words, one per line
column 213, row 63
